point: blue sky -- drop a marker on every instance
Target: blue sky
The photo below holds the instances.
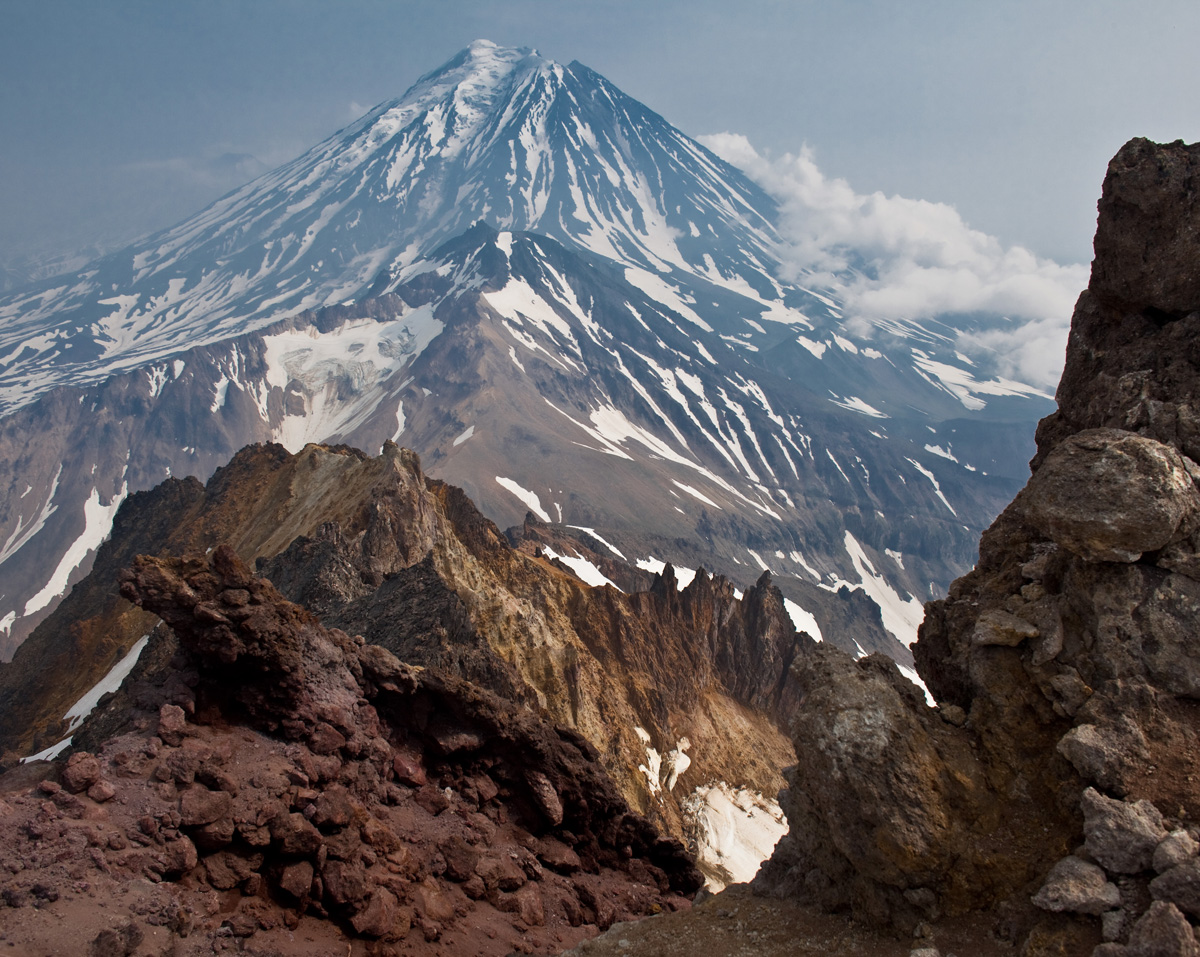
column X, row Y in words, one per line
column 125, row 116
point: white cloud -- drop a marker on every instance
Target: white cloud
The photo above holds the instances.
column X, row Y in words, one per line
column 912, row 259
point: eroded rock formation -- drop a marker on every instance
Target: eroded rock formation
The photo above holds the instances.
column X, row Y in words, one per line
column 294, row 769
column 680, row 692
column 1055, row 786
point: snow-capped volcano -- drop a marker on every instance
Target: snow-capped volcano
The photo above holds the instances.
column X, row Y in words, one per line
column 500, row 135
column 564, row 305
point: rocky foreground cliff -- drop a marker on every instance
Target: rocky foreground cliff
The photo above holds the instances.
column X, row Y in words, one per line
column 1054, row 790
column 292, row 770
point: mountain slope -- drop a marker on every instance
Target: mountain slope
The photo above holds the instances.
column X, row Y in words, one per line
column 611, row 350
column 375, row 548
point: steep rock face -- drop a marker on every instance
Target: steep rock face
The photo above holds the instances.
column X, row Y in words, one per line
column 376, row 549
column 1065, row 664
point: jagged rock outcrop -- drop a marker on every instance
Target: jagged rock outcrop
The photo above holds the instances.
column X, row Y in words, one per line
column 1059, row 771
column 304, row 771
column 374, row 548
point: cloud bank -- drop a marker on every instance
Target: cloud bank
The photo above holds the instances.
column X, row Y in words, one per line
column 912, row 259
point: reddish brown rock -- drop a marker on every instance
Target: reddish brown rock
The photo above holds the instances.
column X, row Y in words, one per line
column 198, row 805
column 295, row 834
column 82, row 771
column 296, row 879
column 172, row 724
column 335, row 808
column 408, row 769
column 344, row 883
column 379, row 917
column 102, row 791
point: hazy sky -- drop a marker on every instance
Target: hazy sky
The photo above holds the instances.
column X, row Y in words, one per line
column 123, row 116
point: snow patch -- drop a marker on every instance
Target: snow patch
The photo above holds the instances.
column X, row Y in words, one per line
column 97, row 523
column 591, row 531
column 470, row 431
column 803, row 620
column 110, row 682
column 936, row 487
column 23, row 533
column 938, row 450
column 586, row 571
column 854, row 404
column 683, row 576
column 530, row 499
column 736, row 830
column 900, row 616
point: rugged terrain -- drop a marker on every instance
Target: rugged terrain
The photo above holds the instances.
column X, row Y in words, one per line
column 682, row 692
column 291, row 769
column 1054, row 786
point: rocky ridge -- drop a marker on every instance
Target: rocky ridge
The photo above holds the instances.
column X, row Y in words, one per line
column 564, row 305
column 1053, row 790
column 292, row 769
column 678, row 690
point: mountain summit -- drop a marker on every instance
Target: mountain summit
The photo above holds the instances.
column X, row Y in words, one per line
column 501, row 135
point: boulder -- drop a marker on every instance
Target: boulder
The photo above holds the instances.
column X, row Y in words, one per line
column 82, row 771
column 1121, row 836
column 1077, row 886
column 1111, row 495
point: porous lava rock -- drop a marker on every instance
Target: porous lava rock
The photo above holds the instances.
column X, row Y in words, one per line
column 1065, row 666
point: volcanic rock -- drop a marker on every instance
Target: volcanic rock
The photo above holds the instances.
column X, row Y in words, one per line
column 1066, row 663
column 361, row 851
column 1122, row 836
column 1075, row 885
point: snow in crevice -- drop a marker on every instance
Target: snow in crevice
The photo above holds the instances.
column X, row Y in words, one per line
column 530, row 499
column 933, row 480
column 466, row 434
column 24, row 531
column 945, row 453
column 696, row 494
column 110, row 682
column 683, row 576
column 736, row 829
column 584, row 569
column 854, row 404
column 592, row 532
column 97, row 522
column 901, row 616
column 803, row 620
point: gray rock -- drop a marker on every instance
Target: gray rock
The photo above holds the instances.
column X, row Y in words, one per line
column 1105, row 754
column 1111, row 495
column 1162, row 932
column 1077, row 886
column 1121, row 836
column 999, row 627
column 1146, row 234
column 1112, row 923
column 1175, row 849
column 1181, row 886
